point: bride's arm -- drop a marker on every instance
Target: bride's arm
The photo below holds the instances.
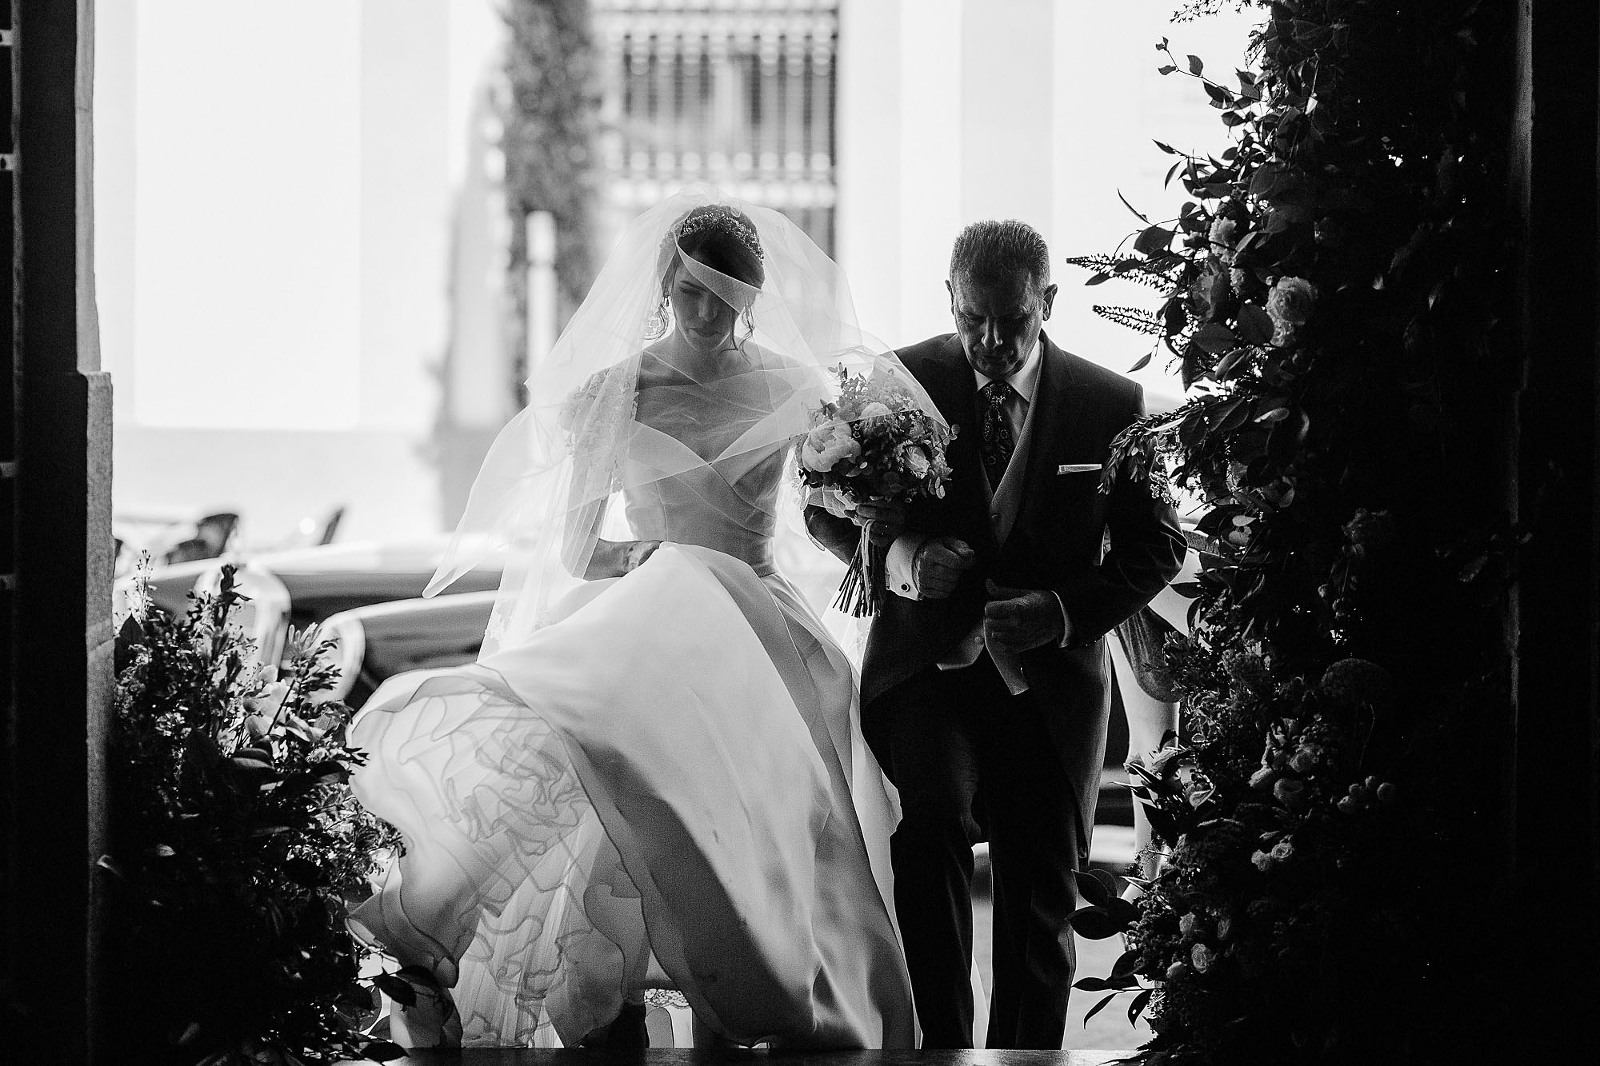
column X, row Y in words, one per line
column 584, row 553
column 606, row 558
column 613, row 558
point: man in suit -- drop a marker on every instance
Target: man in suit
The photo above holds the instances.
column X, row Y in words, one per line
column 985, row 690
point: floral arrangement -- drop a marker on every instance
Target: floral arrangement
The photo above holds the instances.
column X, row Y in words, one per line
column 873, row 443
column 235, row 847
column 1329, row 291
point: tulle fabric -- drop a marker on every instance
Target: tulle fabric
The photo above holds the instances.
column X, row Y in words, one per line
column 666, row 788
column 540, row 498
column 657, row 779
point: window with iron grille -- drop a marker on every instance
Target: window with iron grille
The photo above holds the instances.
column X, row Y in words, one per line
column 736, row 92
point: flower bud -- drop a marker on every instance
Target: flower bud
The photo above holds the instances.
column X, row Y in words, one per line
column 1289, row 792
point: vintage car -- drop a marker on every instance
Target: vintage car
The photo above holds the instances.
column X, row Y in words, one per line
column 302, row 587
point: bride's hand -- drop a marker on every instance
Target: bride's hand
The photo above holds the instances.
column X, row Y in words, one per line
column 614, row 558
column 884, row 520
column 638, row 551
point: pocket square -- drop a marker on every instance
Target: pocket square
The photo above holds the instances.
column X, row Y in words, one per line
column 1077, row 468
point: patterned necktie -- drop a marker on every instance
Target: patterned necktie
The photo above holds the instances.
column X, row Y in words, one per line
column 998, row 443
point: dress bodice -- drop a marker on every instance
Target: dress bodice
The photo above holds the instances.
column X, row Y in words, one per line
column 688, row 479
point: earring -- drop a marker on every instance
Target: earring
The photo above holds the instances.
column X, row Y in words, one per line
column 656, row 323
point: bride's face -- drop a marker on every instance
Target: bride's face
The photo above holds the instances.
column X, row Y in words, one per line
column 704, row 321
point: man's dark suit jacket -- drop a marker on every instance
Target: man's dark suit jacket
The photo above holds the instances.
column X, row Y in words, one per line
column 1105, row 554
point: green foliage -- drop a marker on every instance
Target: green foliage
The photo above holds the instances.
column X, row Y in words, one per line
column 549, row 122
column 1331, row 291
column 235, row 848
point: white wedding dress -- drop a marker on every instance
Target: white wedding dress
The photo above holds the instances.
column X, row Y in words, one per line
column 666, row 787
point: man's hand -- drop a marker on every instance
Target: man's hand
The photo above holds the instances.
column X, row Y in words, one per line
column 884, row 520
column 1018, row 619
column 939, row 564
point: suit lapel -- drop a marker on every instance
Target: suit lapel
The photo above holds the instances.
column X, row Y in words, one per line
column 954, row 391
column 948, row 379
column 1055, row 423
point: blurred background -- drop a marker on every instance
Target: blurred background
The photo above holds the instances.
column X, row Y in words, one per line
column 333, row 234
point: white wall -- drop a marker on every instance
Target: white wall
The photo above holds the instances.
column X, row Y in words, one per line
column 955, row 110
column 275, row 196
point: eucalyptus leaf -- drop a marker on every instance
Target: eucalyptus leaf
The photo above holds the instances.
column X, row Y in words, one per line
column 1094, row 923
column 1153, row 239
column 1095, row 885
column 397, row 989
column 1214, row 337
column 1140, row 1001
column 1097, row 1008
column 1253, row 324
column 1122, row 911
column 1234, row 416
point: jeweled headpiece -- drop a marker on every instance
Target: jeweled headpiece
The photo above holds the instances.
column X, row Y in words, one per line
column 720, row 219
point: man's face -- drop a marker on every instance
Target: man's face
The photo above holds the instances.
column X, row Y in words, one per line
column 999, row 321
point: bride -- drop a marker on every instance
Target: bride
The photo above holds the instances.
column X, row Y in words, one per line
column 653, row 776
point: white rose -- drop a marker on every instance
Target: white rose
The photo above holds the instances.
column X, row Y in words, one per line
column 1221, row 237
column 874, row 410
column 916, row 461
column 1289, row 305
column 826, row 445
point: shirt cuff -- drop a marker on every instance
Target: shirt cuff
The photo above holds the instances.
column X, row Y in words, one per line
column 1066, row 621
column 900, row 566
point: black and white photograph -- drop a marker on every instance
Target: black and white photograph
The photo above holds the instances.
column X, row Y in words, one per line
column 857, row 532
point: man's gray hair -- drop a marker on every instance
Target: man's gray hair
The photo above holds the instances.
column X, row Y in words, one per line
column 995, row 250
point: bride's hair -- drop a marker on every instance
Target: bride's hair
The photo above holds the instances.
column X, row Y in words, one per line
column 724, row 239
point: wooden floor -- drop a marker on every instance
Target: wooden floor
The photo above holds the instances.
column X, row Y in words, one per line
column 686, row 1057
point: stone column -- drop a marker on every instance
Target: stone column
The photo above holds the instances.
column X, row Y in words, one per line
column 60, row 640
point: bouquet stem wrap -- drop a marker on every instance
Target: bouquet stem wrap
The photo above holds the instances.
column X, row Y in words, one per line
column 861, row 592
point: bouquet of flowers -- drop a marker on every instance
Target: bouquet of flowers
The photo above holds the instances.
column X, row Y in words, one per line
column 874, row 443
